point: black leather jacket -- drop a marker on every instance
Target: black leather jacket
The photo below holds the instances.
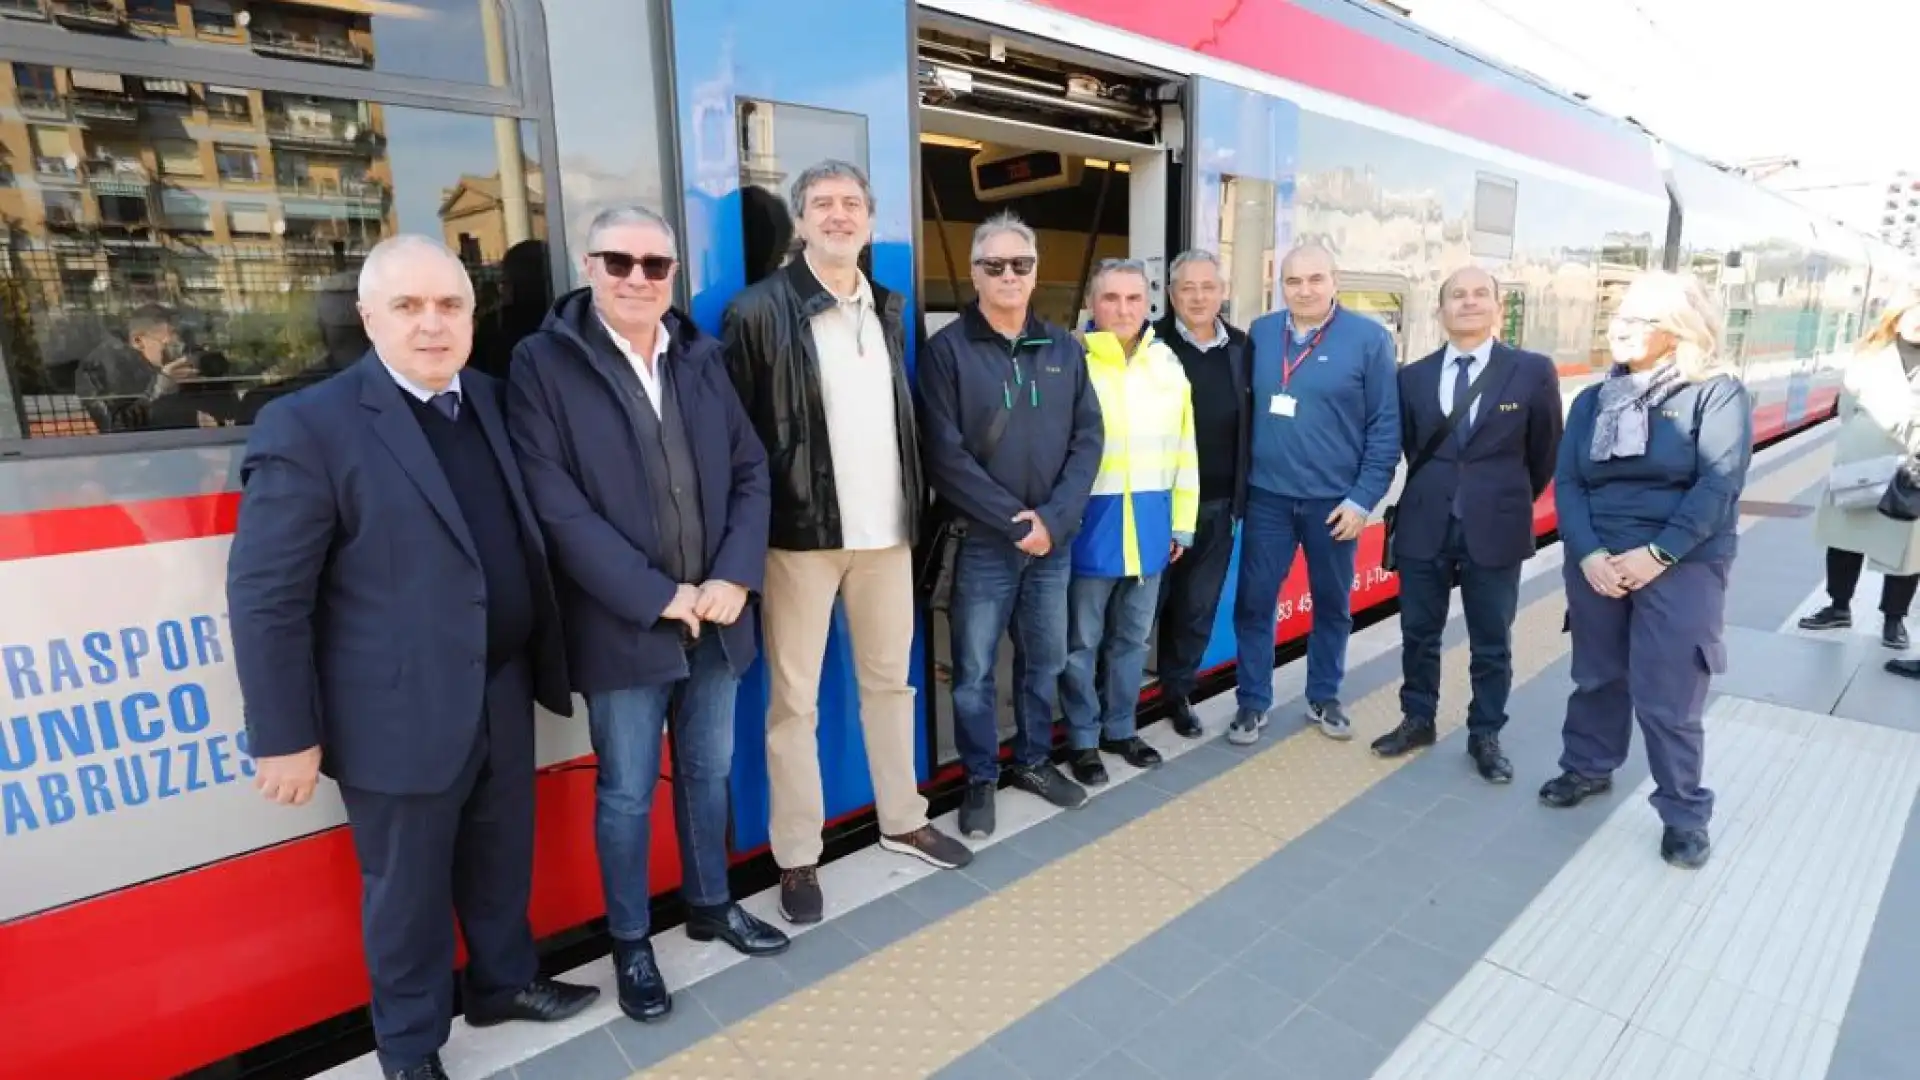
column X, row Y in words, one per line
column 776, row 369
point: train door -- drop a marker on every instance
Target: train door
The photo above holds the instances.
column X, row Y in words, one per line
column 1242, row 158
column 763, row 91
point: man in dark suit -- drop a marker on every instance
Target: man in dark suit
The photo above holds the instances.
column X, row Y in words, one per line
column 653, row 489
column 1497, row 461
column 393, row 625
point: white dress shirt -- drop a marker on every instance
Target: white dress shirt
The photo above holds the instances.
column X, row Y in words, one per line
column 649, row 373
column 1449, row 371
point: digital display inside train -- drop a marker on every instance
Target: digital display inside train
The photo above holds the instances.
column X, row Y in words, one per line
column 1024, row 169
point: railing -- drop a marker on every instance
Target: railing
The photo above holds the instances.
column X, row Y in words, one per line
column 23, row 9
column 358, row 188
column 89, row 14
column 338, row 135
column 39, row 103
column 115, row 108
column 327, row 50
column 53, row 168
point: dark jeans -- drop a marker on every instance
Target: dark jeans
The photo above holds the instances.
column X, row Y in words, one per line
column 997, row 588
column 1190, row 599
column 1275, row 529
column 1843, row 576
column 627, row 726
column 1107, row 626
column 1651, row 654
column 1489, row 597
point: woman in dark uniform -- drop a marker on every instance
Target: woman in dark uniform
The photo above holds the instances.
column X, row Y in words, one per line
column 1648, row 491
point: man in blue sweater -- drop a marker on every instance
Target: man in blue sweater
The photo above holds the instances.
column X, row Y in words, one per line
column 1326, row 438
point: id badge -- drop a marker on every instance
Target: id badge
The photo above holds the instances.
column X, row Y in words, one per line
column 1283, row 405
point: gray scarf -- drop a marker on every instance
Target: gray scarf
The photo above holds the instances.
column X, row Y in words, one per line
column 1626, row 399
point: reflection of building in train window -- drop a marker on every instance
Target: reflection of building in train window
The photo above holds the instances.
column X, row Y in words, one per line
column 777, row 143
column 1513, row 314
column 243, row 206
column 1247, row 247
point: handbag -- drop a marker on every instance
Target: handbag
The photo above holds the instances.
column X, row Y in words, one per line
column 941, row 553
column 1860, row 485
column 1390, row 517
column 1901, row 500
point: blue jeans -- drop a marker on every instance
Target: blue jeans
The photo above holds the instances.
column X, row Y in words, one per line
column 996, row 588
column 1108, row 622
column 626, row 726
column 1274, row 529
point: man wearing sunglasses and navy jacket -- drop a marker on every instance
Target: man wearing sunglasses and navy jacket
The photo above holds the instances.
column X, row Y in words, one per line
column 652, row 488
column 1012, row 436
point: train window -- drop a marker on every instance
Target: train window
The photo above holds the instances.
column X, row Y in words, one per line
column 162, row 272
column 777, row 143
column 1496, row 204
column 1385, row 306
column 1247, row 247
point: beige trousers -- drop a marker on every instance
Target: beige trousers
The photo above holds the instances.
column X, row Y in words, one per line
column 797, row 609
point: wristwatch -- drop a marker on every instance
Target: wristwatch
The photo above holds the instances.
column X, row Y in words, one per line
column 1659, row 556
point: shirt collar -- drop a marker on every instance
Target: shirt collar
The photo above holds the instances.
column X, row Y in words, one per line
column 419, row 392
column 1300, row 334
column 1218, row 339
column 862, row 291
column 660, row 340
column 1480, row 355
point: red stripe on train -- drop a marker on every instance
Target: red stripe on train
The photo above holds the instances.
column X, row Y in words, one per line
column 71, row 530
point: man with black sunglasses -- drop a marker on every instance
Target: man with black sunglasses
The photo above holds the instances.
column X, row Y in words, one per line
column 652, row 486
column 1013, row 435
column 818, row 355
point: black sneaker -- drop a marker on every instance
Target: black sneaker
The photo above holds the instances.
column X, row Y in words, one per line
column 976, row 809
column 1894, row 635
column 1685, row 848
column 932, row 845
column 800, row 899
column 1828, row 618
column 1488, row 759
column 1332, row 720
column 1185, row 723
column 1572, row 789
column 1047, row 782
column 1411, row 735
column 1088, row 768
column 1135, row 751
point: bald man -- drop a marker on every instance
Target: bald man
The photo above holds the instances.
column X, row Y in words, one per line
column 1499, row 454
column 394, row 623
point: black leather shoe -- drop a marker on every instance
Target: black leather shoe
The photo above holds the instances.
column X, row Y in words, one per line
column 1909, row 667
column 1185, row 723
column 1135, row 751
column 643, row 990
column 542, row 1001
column 1409, row 736
column 1685, row 848
column 1894, row 634
column 430, row 1069
column 1088, row 768
column 1828, row 618
column 731, row 924
column 976, row 810
column 1572, row 789
column 1488, row 760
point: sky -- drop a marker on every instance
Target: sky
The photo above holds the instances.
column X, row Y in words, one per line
column 1732, row 80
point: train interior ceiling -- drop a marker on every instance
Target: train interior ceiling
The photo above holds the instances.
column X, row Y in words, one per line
column 1074, row 144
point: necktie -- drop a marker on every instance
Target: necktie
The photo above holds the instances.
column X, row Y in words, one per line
column 448, row 402
column 1461, row 383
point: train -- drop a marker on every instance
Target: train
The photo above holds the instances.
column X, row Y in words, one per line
column 190, row 186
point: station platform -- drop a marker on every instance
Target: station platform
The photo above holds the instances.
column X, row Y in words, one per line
column 1302, row 910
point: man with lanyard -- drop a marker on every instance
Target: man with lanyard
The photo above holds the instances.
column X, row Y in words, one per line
column 1326, row 438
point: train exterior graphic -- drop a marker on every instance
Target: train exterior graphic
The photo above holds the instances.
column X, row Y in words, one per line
column 187, row 188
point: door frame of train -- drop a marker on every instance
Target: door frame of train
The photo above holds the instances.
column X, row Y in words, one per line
column 724, row 52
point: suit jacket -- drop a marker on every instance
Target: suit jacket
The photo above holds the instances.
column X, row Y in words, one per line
column 355, row 591
column 572, row 410
column 1503, row 467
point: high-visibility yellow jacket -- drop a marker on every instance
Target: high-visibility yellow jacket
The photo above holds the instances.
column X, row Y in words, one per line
column 1147, row 493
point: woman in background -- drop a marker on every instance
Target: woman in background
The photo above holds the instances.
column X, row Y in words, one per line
column 1648, row 491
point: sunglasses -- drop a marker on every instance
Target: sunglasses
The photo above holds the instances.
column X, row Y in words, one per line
column 620, row 264
column 1021, row 265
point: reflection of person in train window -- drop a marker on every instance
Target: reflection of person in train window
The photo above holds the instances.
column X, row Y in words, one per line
column 120, row 381
column 767, row 231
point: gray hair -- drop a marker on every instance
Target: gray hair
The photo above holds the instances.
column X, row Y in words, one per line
column 830, row 169
column 1310, row 248
column 1195, row 257
column 624, row 214
column 1004, row 223
column 377, row 267
column 1115, row 266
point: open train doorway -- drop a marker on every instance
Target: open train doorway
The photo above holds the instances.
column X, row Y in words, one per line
column 1084, row 148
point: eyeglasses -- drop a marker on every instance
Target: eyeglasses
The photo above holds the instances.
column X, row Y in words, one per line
column 1021, row 265
column 620, row 264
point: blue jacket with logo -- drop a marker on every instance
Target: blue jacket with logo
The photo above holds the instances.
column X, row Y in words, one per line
column 1032, row 399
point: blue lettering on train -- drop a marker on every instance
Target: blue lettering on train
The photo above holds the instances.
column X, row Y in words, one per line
column 110, row 720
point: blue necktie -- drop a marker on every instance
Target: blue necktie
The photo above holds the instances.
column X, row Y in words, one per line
column 448, row 402
column 1461, row 384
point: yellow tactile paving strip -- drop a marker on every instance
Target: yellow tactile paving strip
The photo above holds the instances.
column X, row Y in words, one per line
column 912, row 1008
